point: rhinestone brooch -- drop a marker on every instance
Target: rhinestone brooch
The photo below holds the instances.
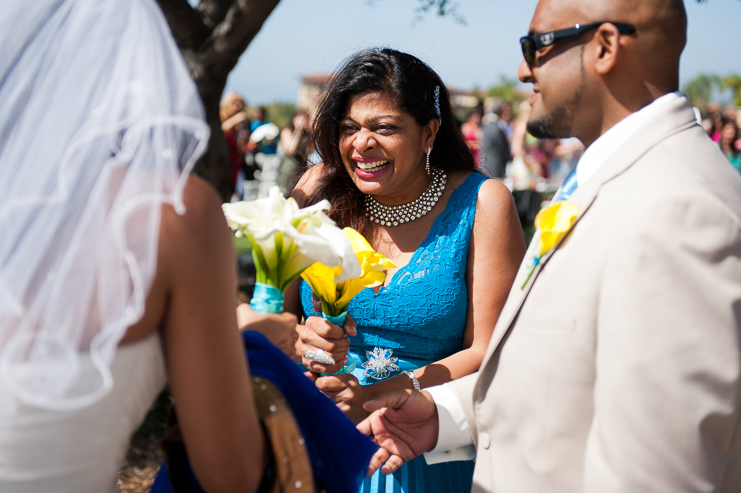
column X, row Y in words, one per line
column 380, row 364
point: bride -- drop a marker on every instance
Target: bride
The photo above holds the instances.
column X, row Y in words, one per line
column 116, row 266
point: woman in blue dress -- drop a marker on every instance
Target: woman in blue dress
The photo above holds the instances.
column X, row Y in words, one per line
column 397, row 169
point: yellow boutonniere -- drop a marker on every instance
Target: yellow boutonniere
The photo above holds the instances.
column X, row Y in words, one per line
column 553, row 222
column 335, row 297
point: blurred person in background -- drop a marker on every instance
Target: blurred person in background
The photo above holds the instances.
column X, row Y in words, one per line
column 730, row 143
column 566, row 155
column 716, row 123
column 505, row 120
column 295, row 137
column 494, row 143
column 264, row 134
column 236, row 127
column 471, row 129
column 295, row 147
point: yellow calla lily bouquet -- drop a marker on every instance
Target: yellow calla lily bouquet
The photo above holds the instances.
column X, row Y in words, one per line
column 553, row 222
column 334, row 295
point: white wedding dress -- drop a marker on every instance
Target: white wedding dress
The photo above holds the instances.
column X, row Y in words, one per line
column 100, row 125
column 80, row 451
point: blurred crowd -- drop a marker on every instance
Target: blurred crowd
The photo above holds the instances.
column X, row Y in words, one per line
column 503, row 149
column 264, row 154
column 722, row 125
column 261, row 153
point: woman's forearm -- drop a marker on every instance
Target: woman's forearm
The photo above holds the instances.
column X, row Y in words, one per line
column 456, row 365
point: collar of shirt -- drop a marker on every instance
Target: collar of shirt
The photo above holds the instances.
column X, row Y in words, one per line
column 609, row 142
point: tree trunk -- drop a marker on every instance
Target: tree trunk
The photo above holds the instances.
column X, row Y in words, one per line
column 211, row 38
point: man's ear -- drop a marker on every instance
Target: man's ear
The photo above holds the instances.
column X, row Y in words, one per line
column 606, row 43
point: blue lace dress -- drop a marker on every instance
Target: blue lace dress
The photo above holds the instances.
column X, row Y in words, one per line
column 421, row 316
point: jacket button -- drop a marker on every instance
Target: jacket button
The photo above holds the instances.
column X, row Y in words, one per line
column 484, row 441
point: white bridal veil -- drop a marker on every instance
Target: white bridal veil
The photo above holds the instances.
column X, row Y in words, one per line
column 100, row 124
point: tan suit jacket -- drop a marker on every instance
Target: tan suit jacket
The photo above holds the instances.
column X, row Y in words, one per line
column 617, row 368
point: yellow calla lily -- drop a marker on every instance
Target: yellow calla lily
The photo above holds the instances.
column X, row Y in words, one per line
column 553, row 222
column 336, row 297
column 321, row 280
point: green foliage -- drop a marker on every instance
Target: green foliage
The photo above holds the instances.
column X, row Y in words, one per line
column 703, row 88
column 242, row 244
column 700, row 89
column 505, row 90
column 732, row 83
column 279, row 112
column 443, row 8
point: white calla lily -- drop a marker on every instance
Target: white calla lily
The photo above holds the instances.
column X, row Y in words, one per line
column 286, row 240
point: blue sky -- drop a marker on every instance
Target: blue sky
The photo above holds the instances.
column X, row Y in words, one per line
column 314, row 36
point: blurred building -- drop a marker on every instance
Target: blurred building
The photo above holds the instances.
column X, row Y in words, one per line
column 309, row 90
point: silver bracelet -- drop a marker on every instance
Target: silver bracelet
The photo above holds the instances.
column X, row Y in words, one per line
column 415, row 382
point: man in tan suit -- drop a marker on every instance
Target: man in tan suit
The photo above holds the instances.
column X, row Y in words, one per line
column 616, row 367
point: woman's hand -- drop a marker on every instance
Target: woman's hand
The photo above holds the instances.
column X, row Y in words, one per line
column 347, row 393
column 280, row 329
column 320, row 334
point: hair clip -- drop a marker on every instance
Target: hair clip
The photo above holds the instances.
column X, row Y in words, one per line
column 437, row 105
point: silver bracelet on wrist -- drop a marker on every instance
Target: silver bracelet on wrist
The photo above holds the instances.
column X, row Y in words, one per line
column 415, row 382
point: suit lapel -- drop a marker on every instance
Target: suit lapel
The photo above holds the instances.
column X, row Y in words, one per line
column 677, row 117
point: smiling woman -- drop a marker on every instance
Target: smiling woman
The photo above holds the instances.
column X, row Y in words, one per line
column 397, row 168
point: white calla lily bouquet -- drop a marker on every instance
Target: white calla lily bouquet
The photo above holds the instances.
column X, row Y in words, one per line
column 285, row 241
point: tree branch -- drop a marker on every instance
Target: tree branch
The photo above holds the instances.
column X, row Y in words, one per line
column 186, row 25
column 213, row 12
column 211, row 53
column 231, row 37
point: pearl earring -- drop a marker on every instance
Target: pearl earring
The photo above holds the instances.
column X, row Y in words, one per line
column 427, row 166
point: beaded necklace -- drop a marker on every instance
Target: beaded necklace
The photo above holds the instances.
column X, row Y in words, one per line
column 399, row 214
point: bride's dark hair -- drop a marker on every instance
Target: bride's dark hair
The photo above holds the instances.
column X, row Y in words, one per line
column 412, row 85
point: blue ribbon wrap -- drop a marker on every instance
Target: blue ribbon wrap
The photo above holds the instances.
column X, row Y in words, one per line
column 338, row 320
column 267, row 299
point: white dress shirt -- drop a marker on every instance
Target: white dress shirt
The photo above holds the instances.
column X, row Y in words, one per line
column 454, row 440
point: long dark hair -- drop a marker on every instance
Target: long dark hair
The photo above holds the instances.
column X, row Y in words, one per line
column 412, row 84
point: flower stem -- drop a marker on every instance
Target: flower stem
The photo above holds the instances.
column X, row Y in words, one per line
column 536, row 261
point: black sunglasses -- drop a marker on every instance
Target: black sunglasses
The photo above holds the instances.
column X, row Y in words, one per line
column 534, row 42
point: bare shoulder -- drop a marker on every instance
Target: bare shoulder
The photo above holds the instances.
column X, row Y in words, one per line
column 493, row 195
column 202, row 227
column 202, row 207
column 187, row 242
column 496, row 213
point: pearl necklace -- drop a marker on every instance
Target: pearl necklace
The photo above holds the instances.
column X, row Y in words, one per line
column 399, row 214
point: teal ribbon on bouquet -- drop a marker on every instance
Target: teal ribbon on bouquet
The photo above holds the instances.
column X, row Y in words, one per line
column 339, row 321
column 267, row 299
